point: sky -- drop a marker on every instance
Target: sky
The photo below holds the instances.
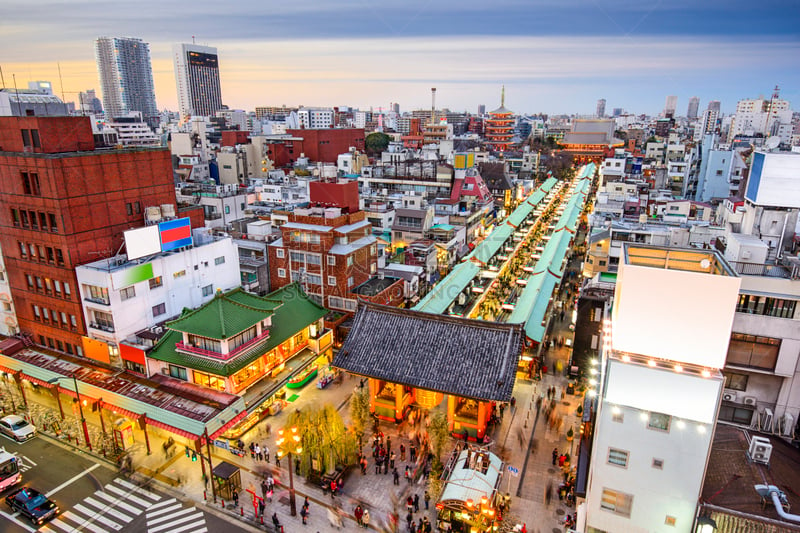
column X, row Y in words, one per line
column 552, row 56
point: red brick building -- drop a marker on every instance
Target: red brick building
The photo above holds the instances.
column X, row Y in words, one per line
column 234, row 137
column 331, row 252
column 326, row 144
column 65, row 203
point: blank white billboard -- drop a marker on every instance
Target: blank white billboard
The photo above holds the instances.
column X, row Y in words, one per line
column 142, row 241
column 677, row 394
column 673, row 314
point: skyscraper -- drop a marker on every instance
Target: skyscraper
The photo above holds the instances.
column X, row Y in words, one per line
column 601, row 108
column 197, row 77
column 694, row 105
column 670, row 106
column 126, row 77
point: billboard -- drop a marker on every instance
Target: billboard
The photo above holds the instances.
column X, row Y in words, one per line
column 175, row 233
column 774, row 180
column 142, row 242
column 133, row 274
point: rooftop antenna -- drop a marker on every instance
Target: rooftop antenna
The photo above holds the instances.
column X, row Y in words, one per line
column 193, row 39
column 2, row 78
column 61, row 82
column 16, row 91
column 433, row 105
column 503, row 97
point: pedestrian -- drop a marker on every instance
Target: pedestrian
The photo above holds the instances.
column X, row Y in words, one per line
column 363, row 466
column 388, row 444
column 334, row 486
column 365, row 518
column 257, row 451
column 416, row 503
column 252, row 451
column 235, row 499
column 385, row 465
column 396, row 476
column 304, row 515
column 427, row 499
column 276, row 522
column 427, row 525
column 412, row 527
column 409, row 520
column 555, row 456
column 391, row 460
column 266, row 452
column 261, row 506
column 407, row 474
column 269, row 495
column 305, row 504
column 359, row 513
column 270, row 482
column 378, row 465
column 278, row 460
column 413, row 453
column 402, row 452
column 410, row 505
column 264, row 488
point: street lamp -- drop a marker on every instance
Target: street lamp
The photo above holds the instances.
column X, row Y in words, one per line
column 80, row 408
column 288, row 446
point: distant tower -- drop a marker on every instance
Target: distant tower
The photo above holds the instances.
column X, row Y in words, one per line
column 499, row 126
column 126, row 77
column 197, row 76
column 670, row 106
column 600, row 112
column 694, row 106
column 482, row 109
column 714, row 105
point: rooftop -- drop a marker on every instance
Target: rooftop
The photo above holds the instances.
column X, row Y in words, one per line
column 374, row 286
column 687, row 260
column 227, row 315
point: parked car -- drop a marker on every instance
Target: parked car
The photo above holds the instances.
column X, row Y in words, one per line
column 17, row 428
column 32, row 504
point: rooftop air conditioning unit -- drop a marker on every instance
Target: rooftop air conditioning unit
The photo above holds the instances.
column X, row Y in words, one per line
column 728, row 396
column 760, row 450
column 750, row 400
column 157, row 330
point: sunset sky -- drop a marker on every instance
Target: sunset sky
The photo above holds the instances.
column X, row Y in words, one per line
column 553, row 56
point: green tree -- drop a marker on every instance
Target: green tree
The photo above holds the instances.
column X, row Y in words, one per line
column 359, row 412
column 325, row 439
column 376, row 142
column 439, row 433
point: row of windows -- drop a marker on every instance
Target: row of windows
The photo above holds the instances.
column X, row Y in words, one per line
column 41, row 253
column 133, row 207
column 36, row 220
column 31, row 138
column 761, row 305
column 619, row 457
column 51, row 287
column 753, row 351
column 55, row 344
column 658, row 421
column 56, row 318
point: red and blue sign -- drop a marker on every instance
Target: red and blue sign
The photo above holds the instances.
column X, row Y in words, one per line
column 175, row 234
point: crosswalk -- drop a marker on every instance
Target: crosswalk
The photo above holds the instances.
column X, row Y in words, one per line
column 24, row 463
column 118, row 504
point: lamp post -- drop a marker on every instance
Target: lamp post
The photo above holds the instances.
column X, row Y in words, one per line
column 80, row 408
column 288, row 446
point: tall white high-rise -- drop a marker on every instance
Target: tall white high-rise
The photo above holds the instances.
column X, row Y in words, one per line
column 197, row 78
column 670, row 106
column 600, row 112
column 694, row 107
column 126, row 77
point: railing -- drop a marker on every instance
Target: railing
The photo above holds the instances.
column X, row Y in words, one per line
column 757, row 269
column 100, row 301
column 216, row 355
column 102, row 327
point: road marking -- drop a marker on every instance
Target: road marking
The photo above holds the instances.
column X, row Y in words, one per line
column 128, row 496
column 13, row 518
column 181, row 529
column 161, row 504
column 116, row 502
column 69, row 482
column 171, row 525
column 157, row 521
column 106, row 508
column 83, row 524
column 138, row 490
column 97, row 517
column 163, row 510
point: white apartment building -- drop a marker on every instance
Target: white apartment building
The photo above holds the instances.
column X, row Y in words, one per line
column 762, row 116
column 197, row 78
column 121, row 298
column 133, row 131
column 660, row 389
column 315, row 117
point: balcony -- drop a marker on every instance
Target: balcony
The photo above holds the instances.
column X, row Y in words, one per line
column 101, row 301
column 320, row 344
column 108, row 328
column 194, row 350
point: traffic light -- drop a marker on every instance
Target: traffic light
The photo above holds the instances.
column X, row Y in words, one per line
column 187, row 451
column 194, row 457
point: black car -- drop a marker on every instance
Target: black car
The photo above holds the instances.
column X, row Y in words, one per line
column 32, row 504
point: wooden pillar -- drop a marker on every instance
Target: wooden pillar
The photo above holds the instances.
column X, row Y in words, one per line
column 451, row 412
column 374, row 387
column 484, row 410
column 399, row 392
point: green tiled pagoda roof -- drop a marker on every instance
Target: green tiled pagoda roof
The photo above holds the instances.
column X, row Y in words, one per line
column 295, row 312
column 227, row 315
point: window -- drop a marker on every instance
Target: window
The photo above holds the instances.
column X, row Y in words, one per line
column 669, row 521
column 129, row 208
column 34, row 220
column 332, row 281
column 43, row 220
column 15, row 217
column 208, row 290
column 658, row 463
column 57, row 287
column 23, row 249
column 45, row 314
column 331, row 260
column 67, row 290
column 129, row 365
column 742, row 414
column 179, row 274
column 159, row 309
column 616, row 502
column 37, row 314
column 26, row 138
column 209, row 380
column 659, row 421
column 156, row 282
column 227, row 210
column 178, row 372
column 280, row 253
column 127, row 293
column 137, row 207
column 761, row 305
column 53, row 222
column 73, row 321
column 39, row 283
column 29, row 279
column 373, row 268
column 59, row 257
column 753, row 351
column 618, row 457
column 350, row 260
column 281, row 272
column 64, row 319
column 735, row 381
column 219, row 260
column 350, row 282
column 30, row 183
column 35, row 138
column 51, row 257
column 373, row 249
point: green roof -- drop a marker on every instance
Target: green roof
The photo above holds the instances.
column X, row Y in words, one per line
column 294, row 311
column 227, row 315
column 445, row 292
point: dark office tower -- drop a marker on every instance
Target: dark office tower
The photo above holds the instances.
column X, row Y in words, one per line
column 126, row 77
column 197, row 77
column 694, row 106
